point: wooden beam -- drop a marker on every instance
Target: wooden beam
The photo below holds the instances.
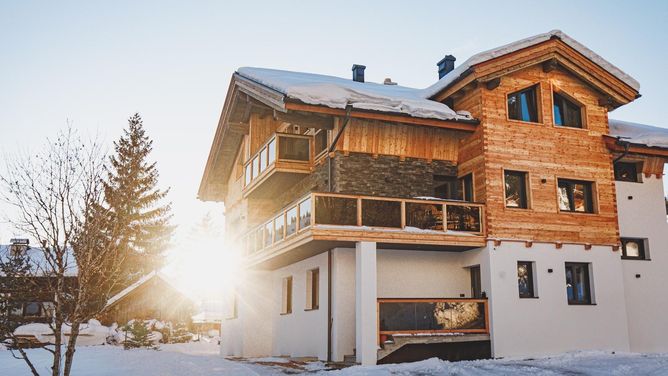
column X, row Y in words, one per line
column 447, row 124
column 550, row 65
column 493, row 83
column 305, row 119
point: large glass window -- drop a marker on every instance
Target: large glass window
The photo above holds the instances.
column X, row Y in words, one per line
column 279, row 227
column 247, row 175
column 566, row 112
column 523, row 105
column 516, row 189
column 628, row 171
column 576, row 196
column 32, row 309
column 445, row 187
column 577, row 283
column 380, row 213
column 293, row 148
column 525, row 281
column 291, row 218
column 256, row 166
column 335, row 211
column 305, row 213
column 320, row 141
column 271, row 152
column 634, row 249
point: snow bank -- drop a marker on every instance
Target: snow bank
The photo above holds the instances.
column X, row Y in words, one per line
column 524, row 43
column 337, row 92
column 90, row 334
column 639, row 133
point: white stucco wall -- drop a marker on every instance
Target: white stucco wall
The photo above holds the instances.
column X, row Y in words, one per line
column 343, row 303
column 548, row 324
column 644, row 216
column 302, row 333
column 250, row 333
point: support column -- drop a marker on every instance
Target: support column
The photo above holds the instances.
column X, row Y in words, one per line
column 366, row 317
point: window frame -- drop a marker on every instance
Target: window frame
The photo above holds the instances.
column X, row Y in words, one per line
column 537, row 87
column 588, row 283
column 644, row 254
column 527, row 189
column 312, row 289
column 317, row 156
column 569, row 98
column 462, row 182
column 40, row 310
column 594, row 196
column 532, row 280
column 638, row 166
column 286, row 295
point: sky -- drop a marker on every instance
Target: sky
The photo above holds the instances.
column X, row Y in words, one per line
column 96, row 63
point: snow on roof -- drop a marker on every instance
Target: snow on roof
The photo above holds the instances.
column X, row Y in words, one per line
column 38, row 262
column 639, row 133
column 136, row 285
column 337, row 92
column 524, row 43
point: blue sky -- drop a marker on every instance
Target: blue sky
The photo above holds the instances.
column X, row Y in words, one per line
column 95, row 63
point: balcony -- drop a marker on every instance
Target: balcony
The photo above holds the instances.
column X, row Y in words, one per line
column 278, row 162
column 321, row 221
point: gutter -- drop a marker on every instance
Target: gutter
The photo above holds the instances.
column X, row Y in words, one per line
column 626, row 146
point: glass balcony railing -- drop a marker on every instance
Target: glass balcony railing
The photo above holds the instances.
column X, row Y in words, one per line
column 281, row 147
column 367, row 213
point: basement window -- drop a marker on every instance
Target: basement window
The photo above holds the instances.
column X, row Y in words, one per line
column 286, row 298
column 578, row 287
column 516, row 189
column 566, row 112
column 628, row 171
column 523, row 105
column 634, row 249
column 312, row 289
column 576, row 196
column 525, row 279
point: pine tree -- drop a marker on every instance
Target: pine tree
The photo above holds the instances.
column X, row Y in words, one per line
column 138, row 336
column 135, row 201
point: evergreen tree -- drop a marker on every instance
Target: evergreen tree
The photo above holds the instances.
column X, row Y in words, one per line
column 135, row 201
column 138, row 336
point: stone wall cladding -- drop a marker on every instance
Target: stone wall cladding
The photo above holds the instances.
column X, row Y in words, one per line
column 387, row 176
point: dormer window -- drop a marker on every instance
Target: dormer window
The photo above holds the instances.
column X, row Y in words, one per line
column 523, row 105
column 566, row 112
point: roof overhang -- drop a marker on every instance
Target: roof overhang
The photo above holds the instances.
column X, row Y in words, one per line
column 551, row 53
column 617, row 145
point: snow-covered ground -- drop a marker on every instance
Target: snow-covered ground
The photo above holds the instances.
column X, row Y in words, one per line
column 202, row 358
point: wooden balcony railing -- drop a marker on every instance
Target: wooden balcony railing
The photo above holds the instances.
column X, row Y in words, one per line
column 432, row 316
column 331, row 210
column 289, row 149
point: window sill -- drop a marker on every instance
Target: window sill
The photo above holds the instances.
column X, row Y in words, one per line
column 635, row 259
column 311, row 309
column 567, row 127
column 575, row 212
column 581, row 304
column 516, row 208
column 528, row 297
column 285, row 313
column 525, row 122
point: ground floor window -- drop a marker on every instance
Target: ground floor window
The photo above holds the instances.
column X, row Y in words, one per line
column 525, row 281
column 578, row 288
column 286, row 306
column 312, row 289
column 32, row 309
column 634, row 249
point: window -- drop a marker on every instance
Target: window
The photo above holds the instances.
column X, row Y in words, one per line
column 313, row 289
column 279, row 228
column 577, row 283
column 634, row 249
column 320, row 141
column 466, row 188
column 575, row 196
column 522, row 105
column 566, row 112
column 525, row 281
column 628, row 171
column 291, row 221
column 286, row 307
column 445, row 187
column 32, row 309
column 516, row 189
column 476, row 284
column 304, row 214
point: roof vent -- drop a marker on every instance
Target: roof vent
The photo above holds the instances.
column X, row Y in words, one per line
column 388, row 81
column 446, row 65
column 358, row 72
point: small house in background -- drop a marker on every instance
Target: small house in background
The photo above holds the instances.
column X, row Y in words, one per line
column 209, row 317
column 151, row 297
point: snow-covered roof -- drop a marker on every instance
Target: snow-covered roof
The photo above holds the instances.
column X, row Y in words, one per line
column 337, row 92
column 137, row 284
column 639, row 133
column 481, row 57
column 38, row 263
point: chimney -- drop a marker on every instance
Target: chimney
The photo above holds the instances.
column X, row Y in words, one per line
column 358, row 72
column 446, row 65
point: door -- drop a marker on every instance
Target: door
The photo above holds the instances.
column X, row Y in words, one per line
column 476, row 291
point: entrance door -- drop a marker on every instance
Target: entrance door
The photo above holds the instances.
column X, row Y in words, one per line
column 476, row 291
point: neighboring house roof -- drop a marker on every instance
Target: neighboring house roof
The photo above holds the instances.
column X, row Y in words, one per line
column 38, row 261
column 481, row 57
column 210, row 311
column 337, row 92
column 143, row 280
column 639, row 133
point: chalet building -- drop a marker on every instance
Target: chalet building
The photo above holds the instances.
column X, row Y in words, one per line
column 498, row 212
column 153, row 296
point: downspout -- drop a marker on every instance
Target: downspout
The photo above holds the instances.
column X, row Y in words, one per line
column 349, row 108
column 626, row 145
column 330, row 321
